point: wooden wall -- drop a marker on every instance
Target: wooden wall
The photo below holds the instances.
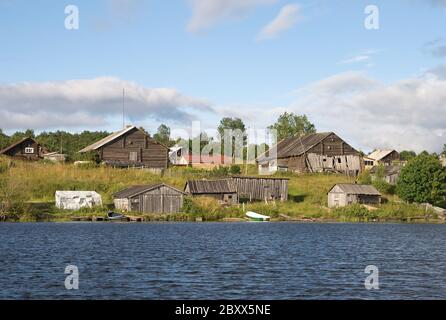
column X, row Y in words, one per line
column 19, row 150
column 150, row 153
column 159, row 200
column 262, row 188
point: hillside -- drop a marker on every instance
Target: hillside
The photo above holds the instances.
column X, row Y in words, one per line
column 27, row 190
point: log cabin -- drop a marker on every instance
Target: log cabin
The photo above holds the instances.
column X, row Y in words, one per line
column 317, row 152
column 130, row 147
column 27, row 149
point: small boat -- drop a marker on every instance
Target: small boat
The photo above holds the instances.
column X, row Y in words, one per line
column 115, row 216
column 253, row 216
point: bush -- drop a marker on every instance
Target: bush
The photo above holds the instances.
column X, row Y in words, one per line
column 365, row 178
column 384, row 187
column 422, row 180
column 235, row 169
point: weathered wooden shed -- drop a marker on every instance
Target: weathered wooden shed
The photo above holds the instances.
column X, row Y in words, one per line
column 130, row 147
column 342, row 195
column 27, row 148
column 223, row 190
column 317, row 152
column 390, row 174
column 261, row 188
column 157, row 198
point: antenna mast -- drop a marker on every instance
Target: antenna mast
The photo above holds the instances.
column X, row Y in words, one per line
column 123, row 108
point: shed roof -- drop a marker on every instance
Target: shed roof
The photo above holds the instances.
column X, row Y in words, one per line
column 388, row 170
column 17, row 143
column 294, row 146
column 258, row 178
column 136, row 190
column 379, row 154
column 210, row 186
column 359, row 189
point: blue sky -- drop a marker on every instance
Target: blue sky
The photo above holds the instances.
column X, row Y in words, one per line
column 204, row 59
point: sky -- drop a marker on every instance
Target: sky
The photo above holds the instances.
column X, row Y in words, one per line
column 374, row 75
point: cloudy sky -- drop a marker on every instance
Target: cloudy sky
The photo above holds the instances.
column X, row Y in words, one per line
column 186, row 60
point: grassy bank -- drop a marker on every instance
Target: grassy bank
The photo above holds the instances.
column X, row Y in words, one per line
column 27, row 194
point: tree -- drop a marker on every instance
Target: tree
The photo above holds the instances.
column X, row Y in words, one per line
column 231, row 124
column 290, row 124
column 163, row 135
column 238, row 136
column 444, row 150
column 422, row 180
column 406, row 155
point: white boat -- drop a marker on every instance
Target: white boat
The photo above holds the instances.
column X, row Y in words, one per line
column 253, row 216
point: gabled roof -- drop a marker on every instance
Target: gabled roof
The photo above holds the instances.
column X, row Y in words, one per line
column 17, row 143
column 210, row 186
column 111, row 138
column 108, row 139
column 136, row 190
column 379, row 154
column 294, row 146
column 358, row 189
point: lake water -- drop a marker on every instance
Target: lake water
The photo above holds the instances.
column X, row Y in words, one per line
column 222, row 260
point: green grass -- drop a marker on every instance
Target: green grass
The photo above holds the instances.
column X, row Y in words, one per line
column 28, row 188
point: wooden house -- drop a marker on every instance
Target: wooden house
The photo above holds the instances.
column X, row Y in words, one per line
column 157, row 198
column 381, row 157
column 342, row 195
column 130, row 147
column 223, row 190
column 317, row 152
column 261, row 188
column 390, row 174
column 26, row 149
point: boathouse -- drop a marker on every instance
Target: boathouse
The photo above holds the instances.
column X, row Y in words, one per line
column 223, row 190
column 342, row 195
column 261, row 188
column 157, row 198
column 317, row 152
column 130, row 147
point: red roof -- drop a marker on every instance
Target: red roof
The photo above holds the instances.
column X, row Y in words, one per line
column 217, row 159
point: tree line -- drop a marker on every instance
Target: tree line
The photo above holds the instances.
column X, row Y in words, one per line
column 287, row 125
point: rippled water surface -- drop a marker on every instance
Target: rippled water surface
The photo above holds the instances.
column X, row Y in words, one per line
column 222, row 260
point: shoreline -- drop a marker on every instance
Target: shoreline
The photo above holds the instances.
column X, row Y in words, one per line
column 228, row 220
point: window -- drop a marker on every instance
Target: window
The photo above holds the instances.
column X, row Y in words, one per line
column 339, row 160
column 133, row 156
column 29, row 150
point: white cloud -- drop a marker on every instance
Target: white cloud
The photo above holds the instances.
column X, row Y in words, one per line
column 89, row 103
column 286, row 19
column 206, row 13
column 408, row 114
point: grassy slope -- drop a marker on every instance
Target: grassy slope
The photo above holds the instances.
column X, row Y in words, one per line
column 37, row 182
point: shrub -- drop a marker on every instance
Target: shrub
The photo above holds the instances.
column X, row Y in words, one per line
column 423, row 179
column 235, row 169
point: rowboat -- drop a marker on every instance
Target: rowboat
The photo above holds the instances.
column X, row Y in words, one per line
column 115, row 216
column 253, row 216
